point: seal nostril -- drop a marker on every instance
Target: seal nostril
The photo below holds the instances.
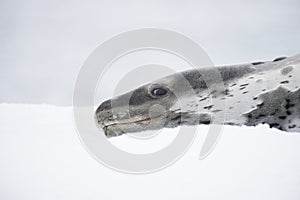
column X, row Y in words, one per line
column 106, row 105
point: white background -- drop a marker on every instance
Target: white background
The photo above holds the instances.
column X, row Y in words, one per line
column 44, row 43
column 42, row 158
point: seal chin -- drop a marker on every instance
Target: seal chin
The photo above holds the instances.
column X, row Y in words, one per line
column 114, row 129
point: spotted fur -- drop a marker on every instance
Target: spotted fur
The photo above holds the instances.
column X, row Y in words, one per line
column 251, row 94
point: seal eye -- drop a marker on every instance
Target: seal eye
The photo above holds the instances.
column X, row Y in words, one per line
column 158, row 92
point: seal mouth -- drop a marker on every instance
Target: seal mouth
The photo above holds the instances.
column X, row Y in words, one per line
column 119, row 126
column 114, row 128
column 127, row 123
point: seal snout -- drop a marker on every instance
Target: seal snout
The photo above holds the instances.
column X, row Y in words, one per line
column 105, row 106
column 103, row 113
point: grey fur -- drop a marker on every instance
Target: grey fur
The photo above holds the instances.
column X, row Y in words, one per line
column 264, row 92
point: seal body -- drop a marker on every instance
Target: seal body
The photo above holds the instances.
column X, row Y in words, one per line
column 248, row 94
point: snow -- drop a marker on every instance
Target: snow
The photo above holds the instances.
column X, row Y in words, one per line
column 41, row 157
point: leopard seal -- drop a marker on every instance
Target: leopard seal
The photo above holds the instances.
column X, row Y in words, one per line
column 254, row 93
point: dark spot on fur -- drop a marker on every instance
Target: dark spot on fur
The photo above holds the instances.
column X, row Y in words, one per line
column 292, row 126
column 203, row 99
column 274, row 125
column 257, row 63
column 279, row 59
column 289, row 105
column 205, row 122
column 208, row 107
column 284, row 82
column 260, row 105
column 282, row 117
column 288, row 112
column 245, row 84
column 231, row 123
column 177, row 117
column 226, row 92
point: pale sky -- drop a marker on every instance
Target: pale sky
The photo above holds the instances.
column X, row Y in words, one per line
column 44, row 43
